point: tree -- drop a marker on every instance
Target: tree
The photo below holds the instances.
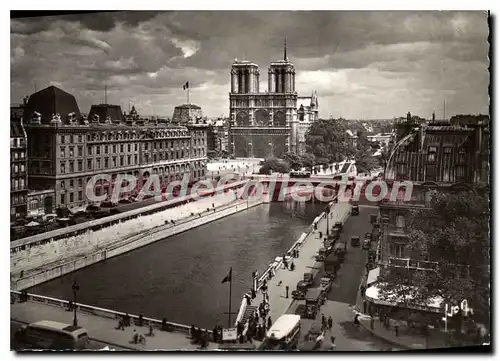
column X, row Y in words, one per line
column 454, row 234
column 308, row 160
column 274, row 165
column 293, row 160
column 329, row 139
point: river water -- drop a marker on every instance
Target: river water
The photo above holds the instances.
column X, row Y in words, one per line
column 180, row 277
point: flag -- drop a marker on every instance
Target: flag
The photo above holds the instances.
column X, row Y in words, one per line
column 229, row 276
column 186, row 86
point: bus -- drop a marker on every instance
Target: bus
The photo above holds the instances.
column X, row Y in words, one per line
column 284, row 334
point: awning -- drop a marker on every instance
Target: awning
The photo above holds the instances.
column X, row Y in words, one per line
column 373, row 276
column 372, row 295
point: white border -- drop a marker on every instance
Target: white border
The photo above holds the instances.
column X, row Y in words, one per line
column 184, row 5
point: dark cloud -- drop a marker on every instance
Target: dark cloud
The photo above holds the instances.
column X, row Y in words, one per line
column 362, row 63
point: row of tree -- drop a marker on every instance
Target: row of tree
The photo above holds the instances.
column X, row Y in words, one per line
column 454, row 234
column 328, row 142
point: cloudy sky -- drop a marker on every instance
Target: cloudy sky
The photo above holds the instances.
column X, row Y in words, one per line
column 369, row 65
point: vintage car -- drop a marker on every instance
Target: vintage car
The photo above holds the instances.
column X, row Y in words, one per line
column 322, row 254
column 340, row 250
column 332, row 265
column 314, row 300
column 355, row 241
column 367, row 243
column 355, row 209
column 326, row 284
column 300, row 292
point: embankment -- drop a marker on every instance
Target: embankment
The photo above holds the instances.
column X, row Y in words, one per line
column 65, row 266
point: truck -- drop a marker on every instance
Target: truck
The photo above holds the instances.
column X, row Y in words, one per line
column 314, row 300
column 332, row 265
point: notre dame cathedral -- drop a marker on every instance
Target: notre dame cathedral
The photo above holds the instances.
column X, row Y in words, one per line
column 269, row 123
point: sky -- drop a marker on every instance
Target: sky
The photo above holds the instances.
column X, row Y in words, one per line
column 364, row 65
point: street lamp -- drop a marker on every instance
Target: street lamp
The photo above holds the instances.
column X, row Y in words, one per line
column 327, row 210
column 249, row 149
column 75, row 287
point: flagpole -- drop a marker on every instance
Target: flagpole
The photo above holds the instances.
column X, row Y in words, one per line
column 188, row 94
column 230, row 291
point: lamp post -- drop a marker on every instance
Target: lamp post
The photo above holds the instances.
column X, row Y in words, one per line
column 249, row 149
column 327, row 210
column 75, row 287
column 270, row 149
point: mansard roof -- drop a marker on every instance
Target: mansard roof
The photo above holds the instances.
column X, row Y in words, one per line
column 49, row 101
column 114, row 112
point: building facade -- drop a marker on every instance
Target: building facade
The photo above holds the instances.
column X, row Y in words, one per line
column 437, row 156
column 18, row 164
column 217, row 137
column 270, row 123
column 68, row 149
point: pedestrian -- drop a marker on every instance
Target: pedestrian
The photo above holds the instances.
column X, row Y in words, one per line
column 135, row 337
column 330, row 323
column 292, row 266
column 364, row 307
column 332, row 343
column 362, row 289
column 372, row 323
column 286, row 289
column 356, row 319
column 151, row 333
column 396, row 330
column 320, row 234
column 269, row 323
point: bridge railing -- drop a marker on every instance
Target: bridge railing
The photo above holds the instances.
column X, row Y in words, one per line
column 100, row 312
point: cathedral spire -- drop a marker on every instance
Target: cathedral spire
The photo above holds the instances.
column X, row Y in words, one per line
column 284, row 55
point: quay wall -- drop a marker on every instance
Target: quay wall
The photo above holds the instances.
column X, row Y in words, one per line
column 276, row 264
column 62, row 267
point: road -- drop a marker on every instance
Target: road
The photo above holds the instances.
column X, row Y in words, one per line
column 16, row 346
column 342, row 297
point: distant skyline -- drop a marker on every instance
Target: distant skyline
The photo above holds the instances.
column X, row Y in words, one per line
column 364, row 65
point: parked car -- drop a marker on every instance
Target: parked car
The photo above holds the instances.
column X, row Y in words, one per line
column 355, row 241
column 92, row 208
column 355, row 210
column 125, row 201
column 366, row 243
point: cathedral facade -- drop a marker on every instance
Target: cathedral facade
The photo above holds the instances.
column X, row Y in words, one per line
column 269, row 123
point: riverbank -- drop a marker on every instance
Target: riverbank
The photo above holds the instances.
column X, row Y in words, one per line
column 60, row 267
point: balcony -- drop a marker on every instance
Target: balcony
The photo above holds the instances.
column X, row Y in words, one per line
column 411, row 263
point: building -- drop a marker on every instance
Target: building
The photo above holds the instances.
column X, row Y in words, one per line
column 217, row 137
column 269, row 123
column 437, row 156
column 186, row 113
column 383, row 138
column 18, row 164
column 68, row 150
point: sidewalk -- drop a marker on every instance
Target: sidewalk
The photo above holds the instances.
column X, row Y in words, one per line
column 103, row 329
column 278, row 302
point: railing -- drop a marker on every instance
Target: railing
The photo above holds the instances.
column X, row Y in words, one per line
column 277, row 264
column 99, row 312
column 411, row 263
column 115, row 218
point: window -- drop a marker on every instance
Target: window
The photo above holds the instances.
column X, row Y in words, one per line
column 62, row 152
column 89, row 164
column 135, row 158
column 62, row 139
column 80, row 195
column 71, row 166
column 22, row 167
column 106, row 162
column 400, row 221
column 397, row 250
column 106, row 149
column 80, row 139
column 146, row 146
column 63, row 199
column 63, row 170
column 460, row 172
column 71, row 197
column 80, row 165
column 135, row 147
column 461, row 156
column 129, row 147
column 98, row 150
column 114, row 148
column 121, row 160
column 16, row 184
column 98, row 163
column 114, row 161
column 16, row 169
column 63, row 184
column 71, row 139
column 129, row 160
column 431, row 155
column 121, row 148
column 80, row 182
column 80, row 151
column 89, row 150
column 21, row 183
